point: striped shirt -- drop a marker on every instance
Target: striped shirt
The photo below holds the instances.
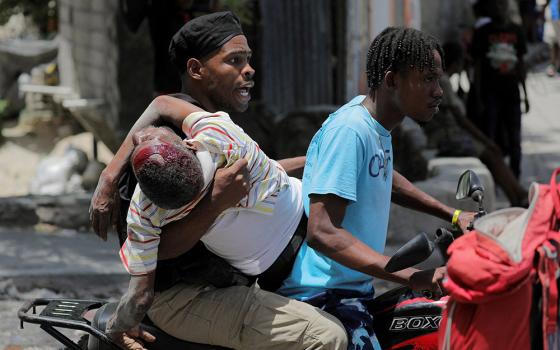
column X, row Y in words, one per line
column 226, row 143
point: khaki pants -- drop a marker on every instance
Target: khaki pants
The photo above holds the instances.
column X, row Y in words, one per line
column 244, row 318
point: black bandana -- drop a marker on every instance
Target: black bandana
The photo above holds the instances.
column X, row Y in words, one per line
column 202, row 36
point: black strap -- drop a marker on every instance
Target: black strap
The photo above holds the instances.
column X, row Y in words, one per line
column 199, row 265
column 272, row 278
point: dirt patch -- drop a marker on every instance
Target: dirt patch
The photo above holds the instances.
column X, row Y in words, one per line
column 24, row 147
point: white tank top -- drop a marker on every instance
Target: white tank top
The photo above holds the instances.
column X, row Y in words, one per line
column 251, row 241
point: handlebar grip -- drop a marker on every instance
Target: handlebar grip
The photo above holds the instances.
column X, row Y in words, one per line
column 444, row 238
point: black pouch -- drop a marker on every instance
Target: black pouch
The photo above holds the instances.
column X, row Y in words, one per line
column 199, row 265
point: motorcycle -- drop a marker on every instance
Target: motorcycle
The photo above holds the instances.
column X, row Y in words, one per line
column 403, row 319
column 408, row 320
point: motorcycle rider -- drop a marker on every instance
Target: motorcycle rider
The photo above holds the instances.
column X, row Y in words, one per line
column 349, row 182
column 268, row 308
column 214, row 56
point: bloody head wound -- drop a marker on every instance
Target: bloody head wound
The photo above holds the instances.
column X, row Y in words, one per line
column 170, row 175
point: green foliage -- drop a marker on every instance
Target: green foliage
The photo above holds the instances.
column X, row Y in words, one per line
column 3, row 106
column 39, row 11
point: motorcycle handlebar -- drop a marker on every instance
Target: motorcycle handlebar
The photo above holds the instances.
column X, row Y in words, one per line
column 443, row 240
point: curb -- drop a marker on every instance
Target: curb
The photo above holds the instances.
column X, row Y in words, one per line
column 65, row 211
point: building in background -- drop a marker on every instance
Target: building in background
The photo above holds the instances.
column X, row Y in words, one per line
column 307, row 52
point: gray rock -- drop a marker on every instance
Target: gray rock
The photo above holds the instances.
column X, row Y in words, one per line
column 18, row 211
column 65, row 211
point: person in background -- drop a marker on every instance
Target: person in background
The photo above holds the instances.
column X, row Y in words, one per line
column 552, row 36
column 454, row 134
column 499, row 71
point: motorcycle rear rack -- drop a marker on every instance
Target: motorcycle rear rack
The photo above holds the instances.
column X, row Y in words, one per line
column 63, row 313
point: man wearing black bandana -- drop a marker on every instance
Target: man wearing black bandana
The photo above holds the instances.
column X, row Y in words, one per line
column 213, row 56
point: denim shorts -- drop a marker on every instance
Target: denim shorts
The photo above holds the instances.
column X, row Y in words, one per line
column 350, row 308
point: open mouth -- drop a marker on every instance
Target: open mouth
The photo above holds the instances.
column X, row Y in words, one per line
column 244, row 92
column 435, row 106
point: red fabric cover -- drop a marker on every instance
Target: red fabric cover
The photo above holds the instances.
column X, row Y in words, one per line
column 492, row 293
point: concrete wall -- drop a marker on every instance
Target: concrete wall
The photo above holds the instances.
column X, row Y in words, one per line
column 446, row 19
column 89, row 27
column 366, row 19
column 102, row 59
column 298, row 72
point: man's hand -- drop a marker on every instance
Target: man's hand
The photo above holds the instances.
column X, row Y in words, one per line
column 465, row 219
column 104, row 210
column 428, row 280
column 132, row 339
column 230, row 185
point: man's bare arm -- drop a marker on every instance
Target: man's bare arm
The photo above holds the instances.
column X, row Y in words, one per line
column 123, row 327
column 326, row 235
column 293, row 166
column 404, row 193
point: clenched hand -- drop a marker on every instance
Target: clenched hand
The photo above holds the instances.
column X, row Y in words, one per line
column 230, row 185
column 105, row 207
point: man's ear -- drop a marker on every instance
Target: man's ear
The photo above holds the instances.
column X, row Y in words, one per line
column 390, row 79
column 194, row 68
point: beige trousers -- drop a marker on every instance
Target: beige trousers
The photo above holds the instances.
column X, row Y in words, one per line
column 244, row 318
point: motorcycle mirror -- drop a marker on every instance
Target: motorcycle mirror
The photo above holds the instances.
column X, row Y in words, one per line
column 469, row 186
column 413, row 252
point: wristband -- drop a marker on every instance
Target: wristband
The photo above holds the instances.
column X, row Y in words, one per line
column 455, row 219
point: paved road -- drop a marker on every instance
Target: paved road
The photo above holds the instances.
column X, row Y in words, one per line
column 541, row 129
column 62, row 263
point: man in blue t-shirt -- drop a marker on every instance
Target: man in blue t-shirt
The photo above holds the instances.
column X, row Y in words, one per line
column 349, row 183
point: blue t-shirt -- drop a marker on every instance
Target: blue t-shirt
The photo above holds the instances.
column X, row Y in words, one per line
column 350, row 156
column 555, row 10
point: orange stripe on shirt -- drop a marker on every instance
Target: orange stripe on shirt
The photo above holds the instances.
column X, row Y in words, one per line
column 193, row 124
column 147, row 207
column 131, row 238
column 184, row 211
column 215, row 129
column 123, row 257
column 142, row 217
column 191, row 127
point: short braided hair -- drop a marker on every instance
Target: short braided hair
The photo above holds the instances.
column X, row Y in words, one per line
column 396, row 48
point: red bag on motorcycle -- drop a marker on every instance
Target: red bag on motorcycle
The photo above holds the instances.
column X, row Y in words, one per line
column 502, row 279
